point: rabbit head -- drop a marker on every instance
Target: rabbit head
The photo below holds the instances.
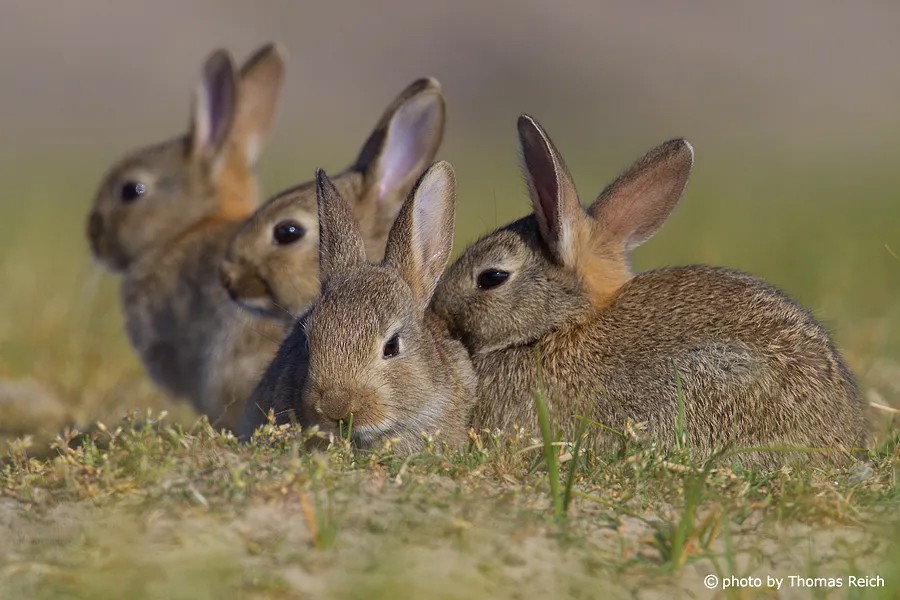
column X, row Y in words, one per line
column 159, row 192
column 272, row 263
column 551, row 268
column 376, row 353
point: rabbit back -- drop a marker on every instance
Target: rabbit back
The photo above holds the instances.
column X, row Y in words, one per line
column 754, row 367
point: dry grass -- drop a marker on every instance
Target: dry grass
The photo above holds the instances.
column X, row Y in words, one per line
column 151, row 510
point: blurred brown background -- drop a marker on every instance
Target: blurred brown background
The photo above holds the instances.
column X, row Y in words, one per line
column 798, row 73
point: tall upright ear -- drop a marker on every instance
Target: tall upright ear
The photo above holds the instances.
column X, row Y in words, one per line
column 261, row 80
column 214, row 109
column 637, row 203
column 340, row 243
column 421, row 239
column 405, row 140
column 561, row 219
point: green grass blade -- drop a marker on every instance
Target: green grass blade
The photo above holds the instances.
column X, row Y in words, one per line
column 550, row 456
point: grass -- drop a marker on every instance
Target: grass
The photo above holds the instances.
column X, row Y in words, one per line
column 149, row 509
column 548, row 437
column 165, row 507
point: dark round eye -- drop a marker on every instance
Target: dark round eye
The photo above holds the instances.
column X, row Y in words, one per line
column 288, row 232
column 132, row 190
column 391, row 347
column 491, row 278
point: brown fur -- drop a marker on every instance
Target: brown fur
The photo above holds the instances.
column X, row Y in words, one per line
column 756, row 368
column 429, row 385
column 281, row 281
column 168, row 242
column 602, row 269
column 236, row 189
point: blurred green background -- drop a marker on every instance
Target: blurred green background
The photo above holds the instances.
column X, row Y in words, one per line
column 791, row 107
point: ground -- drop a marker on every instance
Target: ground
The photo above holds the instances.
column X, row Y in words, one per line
column 153, row 511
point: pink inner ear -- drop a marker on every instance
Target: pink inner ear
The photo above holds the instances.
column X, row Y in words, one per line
column 624, row 215
column 428, row 214
column 542, row 173
column 635, row 205
column 635, row 211
column 409, row 145
column 201, row 123
column 219, row 106
column 214, row 110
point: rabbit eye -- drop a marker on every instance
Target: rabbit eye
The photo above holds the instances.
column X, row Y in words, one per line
column 288, row 232
column 132, row 190
column 491, row 278
column 391, row 347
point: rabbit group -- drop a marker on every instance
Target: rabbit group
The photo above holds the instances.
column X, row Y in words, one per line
column 179, row 219
column 329, row 304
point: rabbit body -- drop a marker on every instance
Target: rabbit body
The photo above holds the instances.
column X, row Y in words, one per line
column 753, row 366
column 370, row 354
column 272, row 265
column 163, row 218
column 549, row 303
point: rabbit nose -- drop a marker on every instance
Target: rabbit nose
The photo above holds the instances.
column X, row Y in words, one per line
column 334, row 405
column 242, row 283
column 95, row 226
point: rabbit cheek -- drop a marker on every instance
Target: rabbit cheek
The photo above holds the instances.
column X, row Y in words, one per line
column 294, row 294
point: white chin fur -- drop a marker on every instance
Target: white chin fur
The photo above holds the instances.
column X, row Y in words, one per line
column 259, row 304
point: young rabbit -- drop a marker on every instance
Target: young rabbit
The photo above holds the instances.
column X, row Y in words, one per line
column 376, row 353
column 549, row 302
column 271, row 267
column 272, row 264
column 164, row 215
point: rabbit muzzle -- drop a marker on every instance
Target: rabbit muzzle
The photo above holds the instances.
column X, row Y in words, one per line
column 338, row 404
column 243, row 287
column 95, row 232
column 105, row 247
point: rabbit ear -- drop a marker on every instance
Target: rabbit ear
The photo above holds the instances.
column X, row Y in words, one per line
column 637, row 203
column 261, row 78
column 215, row 103
column 561, row 219
column 340, row 242
column 421, row 239
column 405, row 140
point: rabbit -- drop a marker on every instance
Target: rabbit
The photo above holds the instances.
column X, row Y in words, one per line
column 272, row 263
column 278, row 390
column 375, row 357
column 549, row 302
column 163, row 217
column 271, row 266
